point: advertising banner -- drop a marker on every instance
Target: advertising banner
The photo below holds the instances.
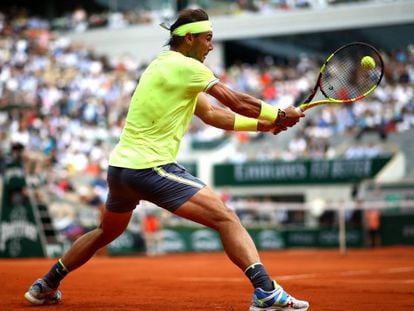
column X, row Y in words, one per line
column 297, row 172
column 202, row 239
column 19, row 231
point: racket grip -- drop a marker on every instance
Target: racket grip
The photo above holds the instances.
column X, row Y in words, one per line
column 298, row 109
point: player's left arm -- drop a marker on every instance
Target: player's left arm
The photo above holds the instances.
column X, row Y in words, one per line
column 228, row 120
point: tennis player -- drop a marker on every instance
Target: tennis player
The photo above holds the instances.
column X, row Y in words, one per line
column 143, row 164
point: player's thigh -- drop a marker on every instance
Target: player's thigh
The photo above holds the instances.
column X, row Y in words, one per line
column 205, row 207
column 121, row 197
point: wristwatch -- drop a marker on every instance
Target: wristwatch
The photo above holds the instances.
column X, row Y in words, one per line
column 281, row 114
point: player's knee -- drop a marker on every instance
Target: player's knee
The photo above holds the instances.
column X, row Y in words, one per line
column 226, row 217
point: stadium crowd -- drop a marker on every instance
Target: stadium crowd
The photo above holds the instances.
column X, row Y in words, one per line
column 126, row 13
column 66, row 104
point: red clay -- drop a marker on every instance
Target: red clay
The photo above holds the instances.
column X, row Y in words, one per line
column 360, row 280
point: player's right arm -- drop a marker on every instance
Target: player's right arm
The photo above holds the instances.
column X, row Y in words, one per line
column 250, row 106
column 228, row 120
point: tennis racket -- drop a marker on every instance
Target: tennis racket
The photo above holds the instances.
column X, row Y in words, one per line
column 349, row 74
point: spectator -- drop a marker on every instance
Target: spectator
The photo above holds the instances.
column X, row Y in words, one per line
column 152, row 234
column 373, row 222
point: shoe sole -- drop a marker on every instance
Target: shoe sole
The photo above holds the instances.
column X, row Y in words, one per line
column 33, row 300
column 38, row 302
column 276, row 309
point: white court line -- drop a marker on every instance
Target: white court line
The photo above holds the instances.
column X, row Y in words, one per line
column 356, row 272
column 298, row 276
column 409, row 281
column 399, row 270
column 214, row 279
column 280, row 277
column 375, row 281
column 312, row 276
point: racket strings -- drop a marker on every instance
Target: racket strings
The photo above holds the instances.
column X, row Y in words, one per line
column 345, row 78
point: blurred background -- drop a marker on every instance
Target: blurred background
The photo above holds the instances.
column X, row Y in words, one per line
column 343, row 177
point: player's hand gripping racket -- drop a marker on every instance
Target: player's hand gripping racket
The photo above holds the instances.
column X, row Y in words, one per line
column 349, row 74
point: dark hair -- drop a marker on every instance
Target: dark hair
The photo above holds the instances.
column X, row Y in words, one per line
column 186, row 16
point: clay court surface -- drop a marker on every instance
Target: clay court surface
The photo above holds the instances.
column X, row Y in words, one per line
column 360, row 280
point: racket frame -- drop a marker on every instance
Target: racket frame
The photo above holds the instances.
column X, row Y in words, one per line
column 329, row 100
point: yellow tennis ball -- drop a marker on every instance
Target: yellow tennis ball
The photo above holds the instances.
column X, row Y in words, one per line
column 368, row 63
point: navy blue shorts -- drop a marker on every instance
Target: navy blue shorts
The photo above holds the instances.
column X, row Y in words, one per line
column 168, row 186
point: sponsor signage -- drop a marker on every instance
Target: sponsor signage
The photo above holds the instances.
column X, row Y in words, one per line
column 19, row 231
column 173, row 240
column 269, row 239
column 297, row 172
column 205, row 240
column 322, row 238
column 397, row 229
column 190, row 239
column 127, row 243
column 185, row 239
